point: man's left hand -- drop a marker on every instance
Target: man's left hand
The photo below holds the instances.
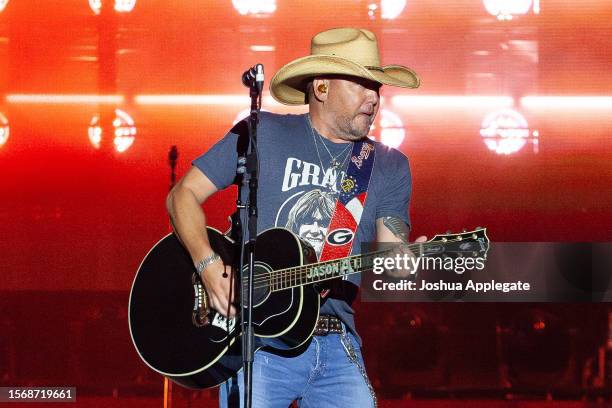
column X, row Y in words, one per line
column 404, row 250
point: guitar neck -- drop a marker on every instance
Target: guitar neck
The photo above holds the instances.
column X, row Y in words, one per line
column 322, row 271
column 473, row 243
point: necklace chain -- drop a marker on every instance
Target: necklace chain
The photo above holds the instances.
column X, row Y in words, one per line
column 314, row 140
column 333, row 159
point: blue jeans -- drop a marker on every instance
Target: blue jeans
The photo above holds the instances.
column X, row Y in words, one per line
column 330, row 373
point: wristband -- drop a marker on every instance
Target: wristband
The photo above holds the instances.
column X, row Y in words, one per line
column 203, row 264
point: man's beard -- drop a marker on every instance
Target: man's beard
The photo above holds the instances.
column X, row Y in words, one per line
column 352, row 131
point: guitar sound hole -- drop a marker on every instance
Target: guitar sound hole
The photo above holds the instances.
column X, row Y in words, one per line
column 261, row 283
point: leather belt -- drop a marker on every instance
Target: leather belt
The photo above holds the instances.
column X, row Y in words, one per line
column 327, row 324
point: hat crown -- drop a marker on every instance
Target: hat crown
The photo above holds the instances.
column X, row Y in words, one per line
column 339, row 51
column 355, row 44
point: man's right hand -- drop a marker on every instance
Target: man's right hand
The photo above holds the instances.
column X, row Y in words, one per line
column 218, row 288
column 189, row 222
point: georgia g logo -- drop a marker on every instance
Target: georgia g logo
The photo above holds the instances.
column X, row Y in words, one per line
column 340, row 236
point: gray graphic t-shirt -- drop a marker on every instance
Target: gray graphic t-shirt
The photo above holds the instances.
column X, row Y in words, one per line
column 298, row 186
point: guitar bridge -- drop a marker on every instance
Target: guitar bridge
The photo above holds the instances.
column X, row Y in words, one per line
column 199, row 315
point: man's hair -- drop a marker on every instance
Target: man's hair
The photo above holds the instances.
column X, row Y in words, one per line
column 308, row 205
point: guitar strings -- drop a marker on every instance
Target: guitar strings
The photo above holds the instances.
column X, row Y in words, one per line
column 369, row 254
column 283, row 276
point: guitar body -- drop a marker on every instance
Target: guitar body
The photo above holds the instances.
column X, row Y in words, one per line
column 167, row 298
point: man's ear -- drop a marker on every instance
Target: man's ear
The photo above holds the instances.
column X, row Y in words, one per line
column 320, row 88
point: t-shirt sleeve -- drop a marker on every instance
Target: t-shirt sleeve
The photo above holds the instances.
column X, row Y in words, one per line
column 395, row 190
column 219, row 162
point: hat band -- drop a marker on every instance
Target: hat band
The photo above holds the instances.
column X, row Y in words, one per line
column 374, row 68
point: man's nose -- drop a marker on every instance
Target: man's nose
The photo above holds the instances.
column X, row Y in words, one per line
column 373, row 97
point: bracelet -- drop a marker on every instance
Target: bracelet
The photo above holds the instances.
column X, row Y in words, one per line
column 203, row 264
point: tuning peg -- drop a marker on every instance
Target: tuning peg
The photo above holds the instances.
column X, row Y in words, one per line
column 464, row 230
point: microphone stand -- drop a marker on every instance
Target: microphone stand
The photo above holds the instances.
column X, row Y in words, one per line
column 172, row 159
column 248, row 167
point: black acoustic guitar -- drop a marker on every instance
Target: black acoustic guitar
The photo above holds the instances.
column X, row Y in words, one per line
column 177, row 335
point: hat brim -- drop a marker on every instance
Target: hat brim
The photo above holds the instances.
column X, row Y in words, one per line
column 288, row 86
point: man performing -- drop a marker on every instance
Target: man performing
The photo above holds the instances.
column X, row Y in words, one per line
column 303, row 170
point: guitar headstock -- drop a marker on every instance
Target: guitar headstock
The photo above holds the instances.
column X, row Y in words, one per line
column 467, row 243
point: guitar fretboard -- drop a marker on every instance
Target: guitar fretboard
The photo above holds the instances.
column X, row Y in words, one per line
column 322, row 271
column 281, row 279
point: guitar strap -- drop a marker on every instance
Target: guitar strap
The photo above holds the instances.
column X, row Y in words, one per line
column 350, row 203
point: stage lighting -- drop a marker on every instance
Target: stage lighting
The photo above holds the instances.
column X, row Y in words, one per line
column 389, row 9
column 470, row 102
column 4, row 130
column 505, row 10
column 95, row 133
column 572, row 103
column 262, row 48
column 121, row 6
column 77, row 99
column 392, row 132
column 3, row 4
column 506, row 131
column 124, row 130
column 254, row 7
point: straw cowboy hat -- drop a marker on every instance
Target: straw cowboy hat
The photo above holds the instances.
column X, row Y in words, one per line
column 343, row 51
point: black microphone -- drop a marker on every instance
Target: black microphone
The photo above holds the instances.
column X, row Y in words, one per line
column 254, row 76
